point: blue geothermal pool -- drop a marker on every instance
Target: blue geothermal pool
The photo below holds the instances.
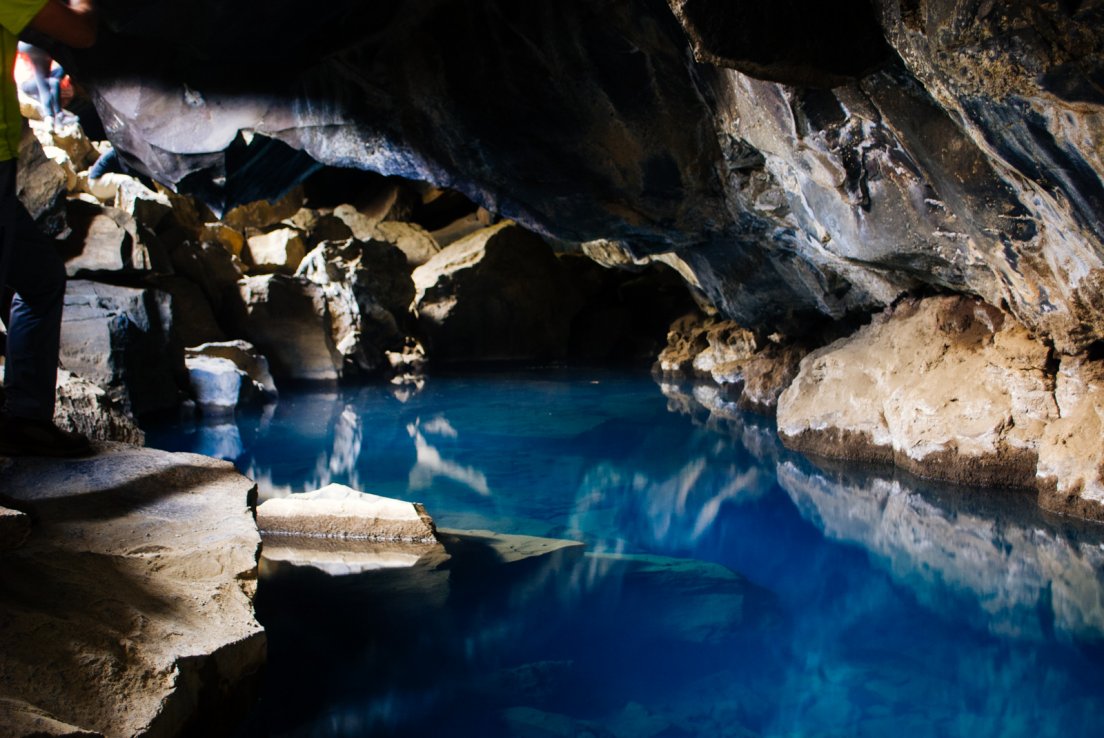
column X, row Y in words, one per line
column 725, row 587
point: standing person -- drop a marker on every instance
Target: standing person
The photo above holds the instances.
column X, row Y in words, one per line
column 29, row 263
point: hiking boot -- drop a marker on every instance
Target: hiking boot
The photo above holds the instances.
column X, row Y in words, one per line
column 31, row 437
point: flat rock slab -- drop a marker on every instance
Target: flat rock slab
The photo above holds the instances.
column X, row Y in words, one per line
column 337, row 511
column 128, row 610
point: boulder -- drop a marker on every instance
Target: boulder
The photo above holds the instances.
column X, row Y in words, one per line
column 86, row 408
column 103, row 239
column 320, row 226
column 193, row 317
column 148, row 207
column 264, row 213
column 214, row 269
column 121, row 339
column 499, row 294
column 70, row 139
column 337, row 511
column 368, row 291
column 41, row 185
column 413, row 240
column 946, row 387
column 226, row 375
column 288, row 320
column 279, row 250
column 223, row 235
column 751, row 371
column 129, row 609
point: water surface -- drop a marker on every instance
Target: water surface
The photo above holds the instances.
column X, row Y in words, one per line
column 726, row 587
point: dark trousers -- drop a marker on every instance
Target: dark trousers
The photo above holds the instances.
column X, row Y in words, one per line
column 29, row 265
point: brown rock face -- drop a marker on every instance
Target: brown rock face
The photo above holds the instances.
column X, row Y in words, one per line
column 128, row 611
column 947, row 388
column 950, row 388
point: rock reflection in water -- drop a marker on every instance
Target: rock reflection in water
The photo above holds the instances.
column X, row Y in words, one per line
column 988, row 553
column 871, row 605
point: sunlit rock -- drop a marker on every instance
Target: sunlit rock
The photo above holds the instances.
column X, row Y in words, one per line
column 129, row 610
column 280, row 250
column 146, row 206
column 416, row 244
column 103, row 239
column 368, row 290
column 948, row 388
column 498, row 294
column 336, row 511
column 264, row 213
column 287, row 319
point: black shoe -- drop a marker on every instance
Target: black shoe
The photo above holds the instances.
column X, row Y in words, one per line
column 30, row 437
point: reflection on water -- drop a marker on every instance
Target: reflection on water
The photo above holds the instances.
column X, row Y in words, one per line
column 728, row 587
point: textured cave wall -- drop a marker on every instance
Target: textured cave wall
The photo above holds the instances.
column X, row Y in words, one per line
column 944, row 144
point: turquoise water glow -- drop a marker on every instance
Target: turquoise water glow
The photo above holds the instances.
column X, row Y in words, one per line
column 727, row 588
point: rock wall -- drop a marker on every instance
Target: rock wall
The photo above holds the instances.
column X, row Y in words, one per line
column 805, row 169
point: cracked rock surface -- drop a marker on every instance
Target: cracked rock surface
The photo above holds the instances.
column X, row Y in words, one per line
column 128, row 610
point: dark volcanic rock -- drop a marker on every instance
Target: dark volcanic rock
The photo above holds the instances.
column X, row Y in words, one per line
column 972, row 163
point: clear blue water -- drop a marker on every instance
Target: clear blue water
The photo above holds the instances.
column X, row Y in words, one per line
column 728, row 587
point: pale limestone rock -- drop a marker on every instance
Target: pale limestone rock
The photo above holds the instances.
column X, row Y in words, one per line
column 338, row 557
column 59, row 157
column 1071, row 451
column 362, row 226
column 946, row 387
column 287, row 319
column 280, row 250
column 129, row 610
column 21, row 720
column 337, row 511
column 70, row 139
column 15, row 526
column 461, row 228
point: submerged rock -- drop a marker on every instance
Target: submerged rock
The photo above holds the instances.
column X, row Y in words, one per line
column 129, row 609
column 337, row 511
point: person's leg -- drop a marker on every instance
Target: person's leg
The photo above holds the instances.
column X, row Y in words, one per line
column 37, row 274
